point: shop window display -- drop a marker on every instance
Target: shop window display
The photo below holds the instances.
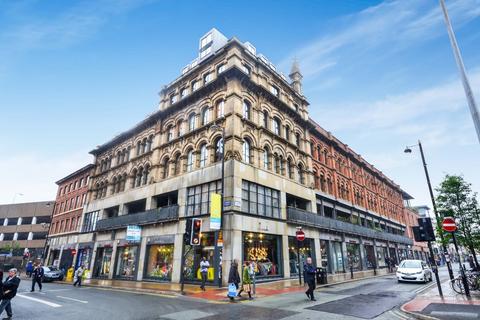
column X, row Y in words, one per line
column 382, row 252
column 103, row 262
column 307, row 249
column 194, row 254
column 370, row 257
column 353, row 256
column 324, row 253
column 337, row 263
column 127, row 258
column 159, row 262
column 265, row 251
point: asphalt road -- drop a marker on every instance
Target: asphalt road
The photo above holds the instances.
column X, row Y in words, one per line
column 366, row 299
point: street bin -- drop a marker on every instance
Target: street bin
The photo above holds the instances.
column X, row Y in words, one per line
column 321, row 276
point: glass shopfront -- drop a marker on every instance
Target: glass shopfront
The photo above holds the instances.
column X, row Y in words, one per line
column 402, row 254
column 66, row 260
column 393, row 255
column 353, row 256
column 194, row 254
column 382, row 253
column 265, row 250
column 127, row 259
column 84, row 257
column 159, row 262
column 324, row 253
column 370, row 257
column 103, row 260
column 306, row 249
column 337, row 255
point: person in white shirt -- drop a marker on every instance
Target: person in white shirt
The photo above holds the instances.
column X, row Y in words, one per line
column 204, row 265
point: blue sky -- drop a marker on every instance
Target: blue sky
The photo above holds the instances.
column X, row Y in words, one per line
column 378, row 74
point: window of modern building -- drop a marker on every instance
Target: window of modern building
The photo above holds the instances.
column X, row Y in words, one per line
column 11, row 221
column 191, row 122
column 19, row 221
column 5, row 222
column 90, row 221
column 276, row 125
column 127, row 260
column 338, row 264
column 2, row 236
column 306, row 248
column 274, row 90
column 246, row 110
column 246, row 151
column 159, row 262
column 208, row 77
column 15, row 236
column 353, row 256
column 195, row 254
column 205, row 116
column 260, row 200
column 190, row 159
column 198, row 197
column 220, row 109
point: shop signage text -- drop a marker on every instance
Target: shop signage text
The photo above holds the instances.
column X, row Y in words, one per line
column 215, row 211
column 133, row 233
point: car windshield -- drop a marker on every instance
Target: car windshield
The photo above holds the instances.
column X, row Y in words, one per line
column 46, row 269
column 410, row 264
column 53, row 268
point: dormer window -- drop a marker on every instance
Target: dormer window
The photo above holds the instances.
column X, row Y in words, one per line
column 195, row 85
column 222, row 68
column 274, row 90
column 208, row 77
column 183, row 93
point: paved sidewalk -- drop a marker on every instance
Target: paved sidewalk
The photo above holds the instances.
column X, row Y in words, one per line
column 429, row 304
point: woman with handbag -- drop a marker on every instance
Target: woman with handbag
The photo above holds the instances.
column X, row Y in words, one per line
column 247, row 281
column 233, row 278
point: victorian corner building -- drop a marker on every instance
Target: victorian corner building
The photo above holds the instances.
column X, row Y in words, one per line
column 282, row 171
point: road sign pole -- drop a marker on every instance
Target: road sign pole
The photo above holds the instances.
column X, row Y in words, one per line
column 298, row 262
column 435, row 269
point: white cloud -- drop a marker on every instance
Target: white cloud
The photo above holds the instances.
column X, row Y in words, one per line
column 34, row 175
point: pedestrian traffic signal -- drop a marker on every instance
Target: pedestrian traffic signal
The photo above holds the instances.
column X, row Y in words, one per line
column 196, row 229
column 187, row 236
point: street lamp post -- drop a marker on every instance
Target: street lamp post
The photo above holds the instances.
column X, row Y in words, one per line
column 217, row 262
column 44, row 225
column 438, row 224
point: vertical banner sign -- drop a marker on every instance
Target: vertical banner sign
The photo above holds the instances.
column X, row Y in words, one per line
column 133, row 233
column 215, row 211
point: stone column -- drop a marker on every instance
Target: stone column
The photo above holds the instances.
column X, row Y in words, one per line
column 177, row 253
column 114, row 258
column 363, row 255
column 286, row 257
column 331, row 257
column 141, row 258
column 318, row 252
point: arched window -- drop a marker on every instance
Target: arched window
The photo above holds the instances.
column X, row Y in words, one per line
column 287, row 132
column 322, row 182
column 301, row 177
column 166, row 168
column 145, row 175
column 266, row 158
column 169, row 133
column 179, row 128
column 205, row 115
column 176, row 166
column 297, row 139
column 246, row 151
column 218, row 149
column 149, row 143
column 276, row 163
column 282, row 169
column 220, row 109
column 276, row 126
column 289, row 168
column 190, row 161
column 127, row 157
column 114, row 185
column 144, row 146
column 191, row 122
column 139, row 146
column 246, row 110
column 203, row 155
column 265, row 119
column 119, row 157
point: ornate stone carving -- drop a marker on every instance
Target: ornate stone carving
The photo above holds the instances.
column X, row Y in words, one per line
column 235, row 155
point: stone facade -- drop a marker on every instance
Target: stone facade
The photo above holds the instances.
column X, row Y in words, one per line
column 160, row 173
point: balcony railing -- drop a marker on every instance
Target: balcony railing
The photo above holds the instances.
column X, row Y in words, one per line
column 306, row 218
column 163, row 214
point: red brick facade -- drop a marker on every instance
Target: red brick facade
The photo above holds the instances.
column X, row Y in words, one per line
column 340, row 172
column 71, row 196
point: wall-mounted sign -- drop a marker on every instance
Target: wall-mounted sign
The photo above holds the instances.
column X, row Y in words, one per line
column 215, row 211
column 134, row 233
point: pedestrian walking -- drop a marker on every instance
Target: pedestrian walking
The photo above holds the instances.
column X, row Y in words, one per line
column 29, row 269
column 309, row 272
column 246, row 281
column 78, row 276
column 37, row 276
column 9, row 290
column 204, row 265
column 234, row 276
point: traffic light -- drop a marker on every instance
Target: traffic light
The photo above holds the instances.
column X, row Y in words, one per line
column 196, row 229
column 187, row 236
column 424, row 231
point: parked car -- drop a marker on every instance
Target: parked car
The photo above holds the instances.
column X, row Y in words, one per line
column 52, row 273
column 413, row 271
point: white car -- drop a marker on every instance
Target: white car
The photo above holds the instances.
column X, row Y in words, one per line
column 414, row 271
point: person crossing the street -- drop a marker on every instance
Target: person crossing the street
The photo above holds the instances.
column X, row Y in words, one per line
column 9, row 289
column 309, row 272
column 37, row 276
column 78, row 276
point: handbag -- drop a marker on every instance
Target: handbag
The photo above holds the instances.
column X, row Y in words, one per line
column 232, row 290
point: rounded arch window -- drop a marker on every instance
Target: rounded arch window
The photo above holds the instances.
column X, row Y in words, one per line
column 246, row 150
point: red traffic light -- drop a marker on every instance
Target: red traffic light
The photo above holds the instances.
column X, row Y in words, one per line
column 196, row 231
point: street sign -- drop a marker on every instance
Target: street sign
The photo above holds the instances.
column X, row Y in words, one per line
column 300, row 235
column 449, row 224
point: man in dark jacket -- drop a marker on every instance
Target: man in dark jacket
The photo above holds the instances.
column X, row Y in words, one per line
column 309, row 272
column 9, row 288
column 233, row 275
column 37, row 276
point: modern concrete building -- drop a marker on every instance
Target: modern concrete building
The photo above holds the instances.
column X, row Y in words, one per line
column 282, row 172
column 23, row 229
column 419, row 250
column 64, row 250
